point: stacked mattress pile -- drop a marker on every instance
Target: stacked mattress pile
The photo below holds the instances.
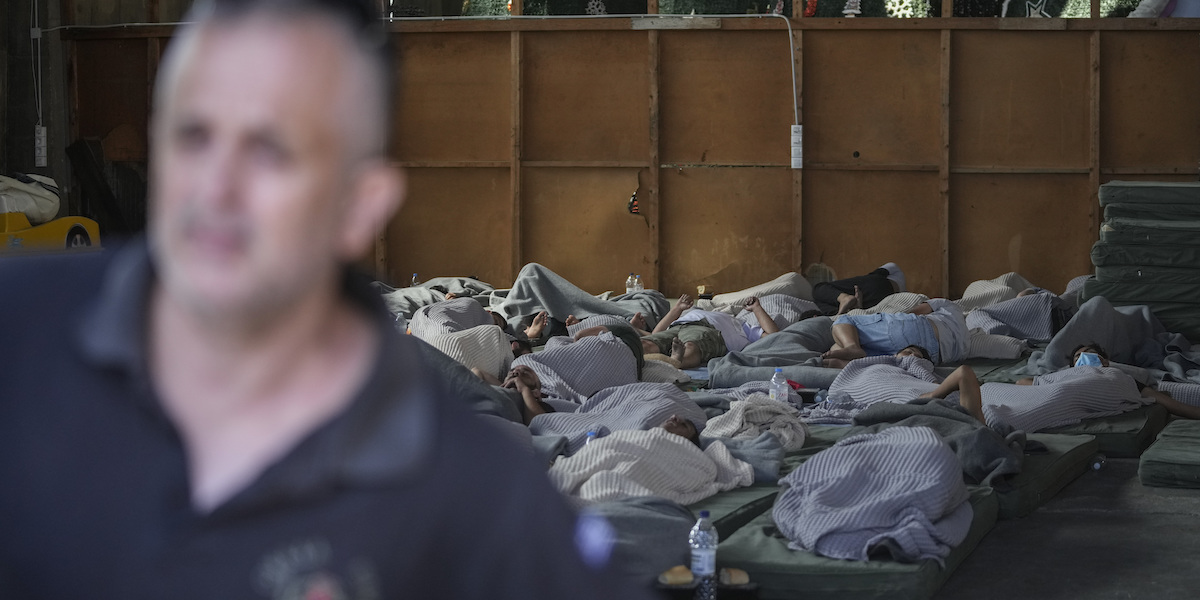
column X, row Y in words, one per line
column 1149, row 251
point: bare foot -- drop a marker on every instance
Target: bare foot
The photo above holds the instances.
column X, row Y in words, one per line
column 451, row 295
column 677, row 349
column 846, row 302
column 638, row 321
column 833, row 363
column 571, row 320
column 534, row 331
column 845, row 354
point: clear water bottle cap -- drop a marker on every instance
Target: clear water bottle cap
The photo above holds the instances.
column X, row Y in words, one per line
column 591, row 433
column 704, row 514
column 778, row 369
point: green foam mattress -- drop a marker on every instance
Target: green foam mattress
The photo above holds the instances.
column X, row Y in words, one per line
column 1124, row 230
column 1155, row 192
column 1104, row 254
column 1045, row 475
column 1147, row 274
column 1174, row 458
column 1145, row 292
column 783, row 573
column 1121, row 436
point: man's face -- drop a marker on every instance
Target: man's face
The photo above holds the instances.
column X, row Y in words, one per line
column 250, row 157
column 1089, row 349
column 910, row 351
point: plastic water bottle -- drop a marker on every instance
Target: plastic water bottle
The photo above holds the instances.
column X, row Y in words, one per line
column 415, row 281
column 703, row 541
column 779, row 386
column 637, row 284
column 591, row 437
column 630, row 282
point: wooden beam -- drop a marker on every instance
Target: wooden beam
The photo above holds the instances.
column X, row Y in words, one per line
column 1192, row 170
column 590, row 164
column 1022, row 170
column 1094, row 122
column 652, row 7
column 944, row 164
column 947, row 8
column 152, row 12
column 518, row 7
column 515, row 73
column 469, row 164
column 870, row 167
column 1095, row 9
column 649, row 207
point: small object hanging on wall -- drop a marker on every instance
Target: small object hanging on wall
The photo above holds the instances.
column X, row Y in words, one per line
column 633, row 205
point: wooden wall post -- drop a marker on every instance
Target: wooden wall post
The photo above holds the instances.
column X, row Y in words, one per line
column 944, row 162
column 798, row 174
column 649, row 207
column 515, row 158
column 1094, row 118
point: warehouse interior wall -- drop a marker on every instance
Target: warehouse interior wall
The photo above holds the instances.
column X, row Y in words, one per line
column 959, row 148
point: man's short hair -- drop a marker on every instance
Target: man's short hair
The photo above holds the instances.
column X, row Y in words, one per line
column 920, row 350
column 360, row 20
column 1092, row 345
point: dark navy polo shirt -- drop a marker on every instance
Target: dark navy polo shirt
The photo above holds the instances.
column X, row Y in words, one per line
column 403, row 494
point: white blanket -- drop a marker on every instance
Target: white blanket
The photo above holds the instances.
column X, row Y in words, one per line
column 627, row 464
column 750, row 417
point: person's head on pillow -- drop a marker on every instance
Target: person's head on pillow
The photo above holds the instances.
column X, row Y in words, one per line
column 683, row 428
column 1089, row 353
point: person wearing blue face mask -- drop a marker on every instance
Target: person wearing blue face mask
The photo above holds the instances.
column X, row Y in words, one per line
column 1092, row 354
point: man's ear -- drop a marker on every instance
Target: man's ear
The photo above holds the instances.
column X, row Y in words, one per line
column 376, row 193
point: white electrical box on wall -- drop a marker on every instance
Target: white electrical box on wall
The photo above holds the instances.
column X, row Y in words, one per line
column 797, row 146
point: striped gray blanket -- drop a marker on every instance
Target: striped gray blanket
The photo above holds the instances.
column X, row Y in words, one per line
column 1061, row 398
column 751, row 417
column 1035, row 317
column 784, row 310
column 789, row 284
column 654, row 462
column 866, row 381
column 633, row 406
column 595, row 320
column 448, row 316
column 575, row 371
column 987, row 292
column 537, row 288
column 485, row 347
column 899, row 490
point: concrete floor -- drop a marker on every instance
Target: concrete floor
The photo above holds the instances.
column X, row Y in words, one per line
column 1105, row 536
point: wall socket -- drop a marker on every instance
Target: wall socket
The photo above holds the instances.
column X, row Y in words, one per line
column 797, row 146
column 39, row 146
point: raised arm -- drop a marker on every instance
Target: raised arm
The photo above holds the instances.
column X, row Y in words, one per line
column 764, row 320
column 685, row 302
column 964, row 381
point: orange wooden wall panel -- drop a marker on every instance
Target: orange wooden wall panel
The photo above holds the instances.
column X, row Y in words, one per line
column 585, row 96
column 455, row 223
column 1037, row 225
column 575, row 221
column 856, row 221
column 726, row 97
column 455, row 100
column 877, row 93
column 1019, row 99
column 1150, row 99
column 727, row 228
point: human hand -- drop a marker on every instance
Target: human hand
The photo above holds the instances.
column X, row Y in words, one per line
column 685, row 302
column 752, row 303
column 451, row 295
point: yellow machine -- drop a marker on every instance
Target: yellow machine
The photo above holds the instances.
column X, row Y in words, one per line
column 58, row 235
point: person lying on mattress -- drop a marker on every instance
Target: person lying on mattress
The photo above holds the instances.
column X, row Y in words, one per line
column 693, row 336
column 937, row 325
column 903, row 377
column 634, row 406
column 835, row 298
column 664, row 461
column 1092, row 354
column 570, row 370
column 456, row 314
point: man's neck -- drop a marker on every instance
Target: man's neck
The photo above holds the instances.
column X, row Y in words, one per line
column 243, row 393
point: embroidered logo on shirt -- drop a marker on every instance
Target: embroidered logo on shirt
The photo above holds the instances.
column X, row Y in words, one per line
column 305, row 570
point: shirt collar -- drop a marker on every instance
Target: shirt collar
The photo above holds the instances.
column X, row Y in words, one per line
column 385, row 434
